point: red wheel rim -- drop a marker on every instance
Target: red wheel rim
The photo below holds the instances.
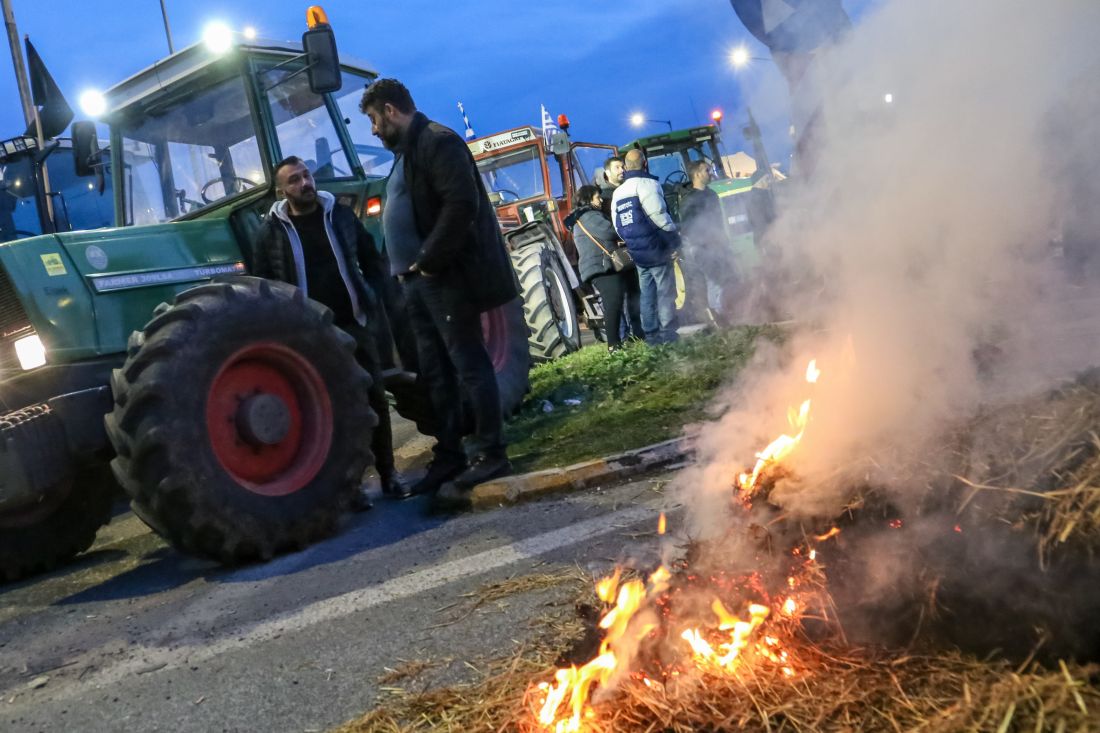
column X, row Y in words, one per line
column 494, row 330
column 288, row 465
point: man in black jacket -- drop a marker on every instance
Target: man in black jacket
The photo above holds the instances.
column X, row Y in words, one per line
column 445, row 245
column 311, row 241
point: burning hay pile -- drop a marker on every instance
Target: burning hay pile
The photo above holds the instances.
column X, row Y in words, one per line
column 757, row 628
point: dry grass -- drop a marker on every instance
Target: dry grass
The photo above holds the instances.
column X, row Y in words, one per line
column 1036, row 466
column 846, row 690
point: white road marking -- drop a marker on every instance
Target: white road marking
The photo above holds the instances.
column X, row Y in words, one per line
column 337, row 607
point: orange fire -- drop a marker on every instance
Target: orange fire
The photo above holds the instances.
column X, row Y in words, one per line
column 782, row 446
column 564, row 705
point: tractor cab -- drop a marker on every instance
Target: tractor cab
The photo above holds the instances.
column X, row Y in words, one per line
column 670, row 154
column 746, row 202
column 197, row 135
column 74, row 202
column 529, row 181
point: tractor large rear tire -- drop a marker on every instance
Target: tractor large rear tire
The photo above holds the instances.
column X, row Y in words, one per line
column 37, row 538
column 241, row 421
column 548, row 304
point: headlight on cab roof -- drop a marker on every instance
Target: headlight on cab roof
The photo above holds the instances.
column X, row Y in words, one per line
column 30, row 351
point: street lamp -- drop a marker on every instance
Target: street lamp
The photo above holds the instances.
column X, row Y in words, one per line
column 638, row 119
column 740, row 57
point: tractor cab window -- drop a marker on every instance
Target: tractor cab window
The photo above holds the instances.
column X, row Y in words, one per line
column 590, row 160
column 78, row 203
column 189, row 153
column 303, row 124
column 666, row 165
column 18, row 207
column 375, row 159
column 513, row 176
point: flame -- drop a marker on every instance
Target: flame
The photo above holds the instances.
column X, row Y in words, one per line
column 812, row 372
column 782, row 446
column 563, row 706
column 726, row 655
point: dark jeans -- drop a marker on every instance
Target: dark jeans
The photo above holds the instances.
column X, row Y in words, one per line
column 366, row 353
column 658, row 285
column 454, row 364
column 616, row 290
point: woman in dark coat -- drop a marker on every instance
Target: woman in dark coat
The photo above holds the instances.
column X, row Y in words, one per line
column 595, row 237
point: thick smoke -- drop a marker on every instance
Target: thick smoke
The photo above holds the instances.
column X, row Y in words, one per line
column 927, row 253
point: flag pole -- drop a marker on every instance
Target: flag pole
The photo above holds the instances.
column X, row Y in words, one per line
column 17, row 62
column 45, row 170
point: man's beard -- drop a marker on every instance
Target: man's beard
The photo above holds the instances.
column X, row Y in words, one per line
column 305, row 198
column 390, row 137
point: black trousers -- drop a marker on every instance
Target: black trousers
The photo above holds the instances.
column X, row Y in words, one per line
column 621, row 296
column 455, row 365
column 366, row 353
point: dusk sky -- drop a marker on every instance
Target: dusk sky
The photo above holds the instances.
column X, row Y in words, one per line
column 596, row 62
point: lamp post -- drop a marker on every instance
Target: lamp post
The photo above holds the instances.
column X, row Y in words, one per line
column 638, row 119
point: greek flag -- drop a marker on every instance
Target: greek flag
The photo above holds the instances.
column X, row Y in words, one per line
column 470, row 135
column 549, row 127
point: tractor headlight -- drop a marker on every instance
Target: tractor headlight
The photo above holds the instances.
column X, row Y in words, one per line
column 30, row 351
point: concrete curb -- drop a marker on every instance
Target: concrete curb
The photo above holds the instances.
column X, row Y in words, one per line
column 515, row 489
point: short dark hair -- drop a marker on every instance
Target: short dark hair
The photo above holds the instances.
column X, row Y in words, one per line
column 585, row 194
column 387, row 91
column 607, row 163
column 696, row 165
column 288, row 160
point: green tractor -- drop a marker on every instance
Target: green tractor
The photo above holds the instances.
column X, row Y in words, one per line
column 747, row 202
column 229, row 409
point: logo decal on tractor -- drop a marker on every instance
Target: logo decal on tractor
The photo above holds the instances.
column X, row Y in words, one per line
column 96, row 257
column 164, row 277
column 53, row 264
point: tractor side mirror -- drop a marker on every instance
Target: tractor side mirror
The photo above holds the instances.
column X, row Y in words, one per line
column 85, row 148
column 323, row 63
column 559, row 143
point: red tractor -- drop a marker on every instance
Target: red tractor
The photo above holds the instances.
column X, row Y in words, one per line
column 533, row 185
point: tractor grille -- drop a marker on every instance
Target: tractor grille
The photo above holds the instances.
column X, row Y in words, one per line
column 13, row 323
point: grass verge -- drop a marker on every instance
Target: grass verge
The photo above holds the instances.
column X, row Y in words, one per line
column 591, row 403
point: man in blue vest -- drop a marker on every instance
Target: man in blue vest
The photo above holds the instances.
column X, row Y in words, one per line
column 642, row 221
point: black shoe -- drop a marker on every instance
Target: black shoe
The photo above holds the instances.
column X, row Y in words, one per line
column 360, row 502
column 450, row 498
column 394, row 486
column 484, row 468
column 438, row 474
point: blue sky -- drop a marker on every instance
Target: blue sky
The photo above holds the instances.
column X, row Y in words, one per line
column 597, row 62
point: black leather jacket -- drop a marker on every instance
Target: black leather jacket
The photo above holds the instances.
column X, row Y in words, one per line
column 454, row 218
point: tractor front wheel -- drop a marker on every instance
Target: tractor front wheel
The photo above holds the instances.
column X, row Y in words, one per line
column 241, row 420
column 76, row 503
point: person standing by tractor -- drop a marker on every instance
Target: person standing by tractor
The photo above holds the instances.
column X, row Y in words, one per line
column 618, row 289
column 446, row 248
column 311, row 241
column 612, row 179
column 642, row 221
column 703, row 225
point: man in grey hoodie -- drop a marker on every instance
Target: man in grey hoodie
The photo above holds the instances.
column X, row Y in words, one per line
column 311, row 241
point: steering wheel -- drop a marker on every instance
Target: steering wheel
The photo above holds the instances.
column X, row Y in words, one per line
column 677, row 178
column 234, row 179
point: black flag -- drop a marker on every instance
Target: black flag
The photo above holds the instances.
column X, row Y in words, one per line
column 53, row 111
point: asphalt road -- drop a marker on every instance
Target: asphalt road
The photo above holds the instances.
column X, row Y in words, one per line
column 134, row 636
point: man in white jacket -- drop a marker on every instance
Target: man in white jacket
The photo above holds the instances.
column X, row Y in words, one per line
column 642, row 220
